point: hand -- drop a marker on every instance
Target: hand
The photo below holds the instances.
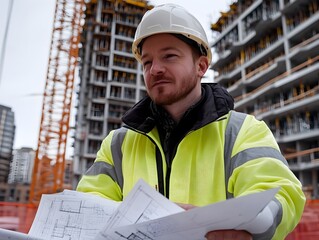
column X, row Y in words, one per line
column 186, row 206
column 228, row 235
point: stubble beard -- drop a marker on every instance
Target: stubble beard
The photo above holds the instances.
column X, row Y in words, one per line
column 168, row 97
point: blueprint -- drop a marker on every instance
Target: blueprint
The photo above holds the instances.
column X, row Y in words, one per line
column 144, row 214
column 142, row 204
column 71, row 216
column 186, row 225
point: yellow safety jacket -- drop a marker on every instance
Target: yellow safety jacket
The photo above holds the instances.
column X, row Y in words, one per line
column 223, row 154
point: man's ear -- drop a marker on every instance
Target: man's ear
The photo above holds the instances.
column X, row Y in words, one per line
column 202, row 66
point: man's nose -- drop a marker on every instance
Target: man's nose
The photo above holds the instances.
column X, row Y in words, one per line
column 157, row 68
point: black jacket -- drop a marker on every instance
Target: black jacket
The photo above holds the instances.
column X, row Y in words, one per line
column 215, row 102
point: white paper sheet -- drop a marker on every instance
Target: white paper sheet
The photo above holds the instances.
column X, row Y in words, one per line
column 144, row 214
column 142, row 204
column 195, row 223
column 12, row 235
column 71, row 216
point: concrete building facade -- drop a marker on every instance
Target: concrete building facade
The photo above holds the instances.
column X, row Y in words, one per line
column 111, row 79
column 15, row 192
column 7, row 133
column 268, row 59
column 21, row 166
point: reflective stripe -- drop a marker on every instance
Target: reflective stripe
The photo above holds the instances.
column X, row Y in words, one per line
column 234, row 125
column 256, row 152
column 116, row 148
column 101, row 168
column 236, row 120
column 115, row 172
column 276, row 210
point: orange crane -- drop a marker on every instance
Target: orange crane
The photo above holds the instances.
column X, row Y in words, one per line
column 49, row 165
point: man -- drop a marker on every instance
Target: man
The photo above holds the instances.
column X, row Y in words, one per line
column 185, row 140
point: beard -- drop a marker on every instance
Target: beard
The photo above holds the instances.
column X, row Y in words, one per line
column 166, row 95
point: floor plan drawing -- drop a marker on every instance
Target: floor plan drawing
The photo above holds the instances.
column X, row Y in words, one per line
column 186, row 225
column 68, row 217
column 144, row 214
column 136, row 236
column 142, row 204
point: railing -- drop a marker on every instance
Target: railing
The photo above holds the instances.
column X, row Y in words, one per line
column 291, row 100
column 302, row 153
column 308, row 227
column 301, row 66
column 17, row 216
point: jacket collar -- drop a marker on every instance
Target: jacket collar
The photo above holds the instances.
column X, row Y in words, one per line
column 215, row 102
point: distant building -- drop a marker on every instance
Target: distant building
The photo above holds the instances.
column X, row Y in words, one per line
column 268, row 59
column 68, row 174
column 18, row 187
column 7, row 132
column 111, row 78
column 15, row 192
column 21, row 166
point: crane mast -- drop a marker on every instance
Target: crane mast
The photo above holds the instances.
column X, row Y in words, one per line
column 48, row 170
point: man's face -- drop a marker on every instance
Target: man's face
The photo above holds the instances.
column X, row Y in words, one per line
column 169, row 68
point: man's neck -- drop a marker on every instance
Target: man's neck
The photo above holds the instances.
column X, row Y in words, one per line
column 177, row 110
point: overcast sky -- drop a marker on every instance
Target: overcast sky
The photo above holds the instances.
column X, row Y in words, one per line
column 27, row 51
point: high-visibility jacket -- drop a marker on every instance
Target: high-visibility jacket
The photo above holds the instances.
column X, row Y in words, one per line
column 223, row 154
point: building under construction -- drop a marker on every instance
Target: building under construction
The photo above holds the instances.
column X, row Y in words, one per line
column 111, row 79
column 268, row 59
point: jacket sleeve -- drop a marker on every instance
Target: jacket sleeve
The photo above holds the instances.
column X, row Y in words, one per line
column 101, row 178
column 258, row 165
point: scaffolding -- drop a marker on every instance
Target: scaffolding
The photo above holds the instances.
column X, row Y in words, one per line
column 48, row 171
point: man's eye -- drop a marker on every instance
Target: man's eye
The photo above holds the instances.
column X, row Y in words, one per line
column 170, row 55
column 146, row 63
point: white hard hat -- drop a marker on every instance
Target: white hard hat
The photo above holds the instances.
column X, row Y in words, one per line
column 171, row 18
